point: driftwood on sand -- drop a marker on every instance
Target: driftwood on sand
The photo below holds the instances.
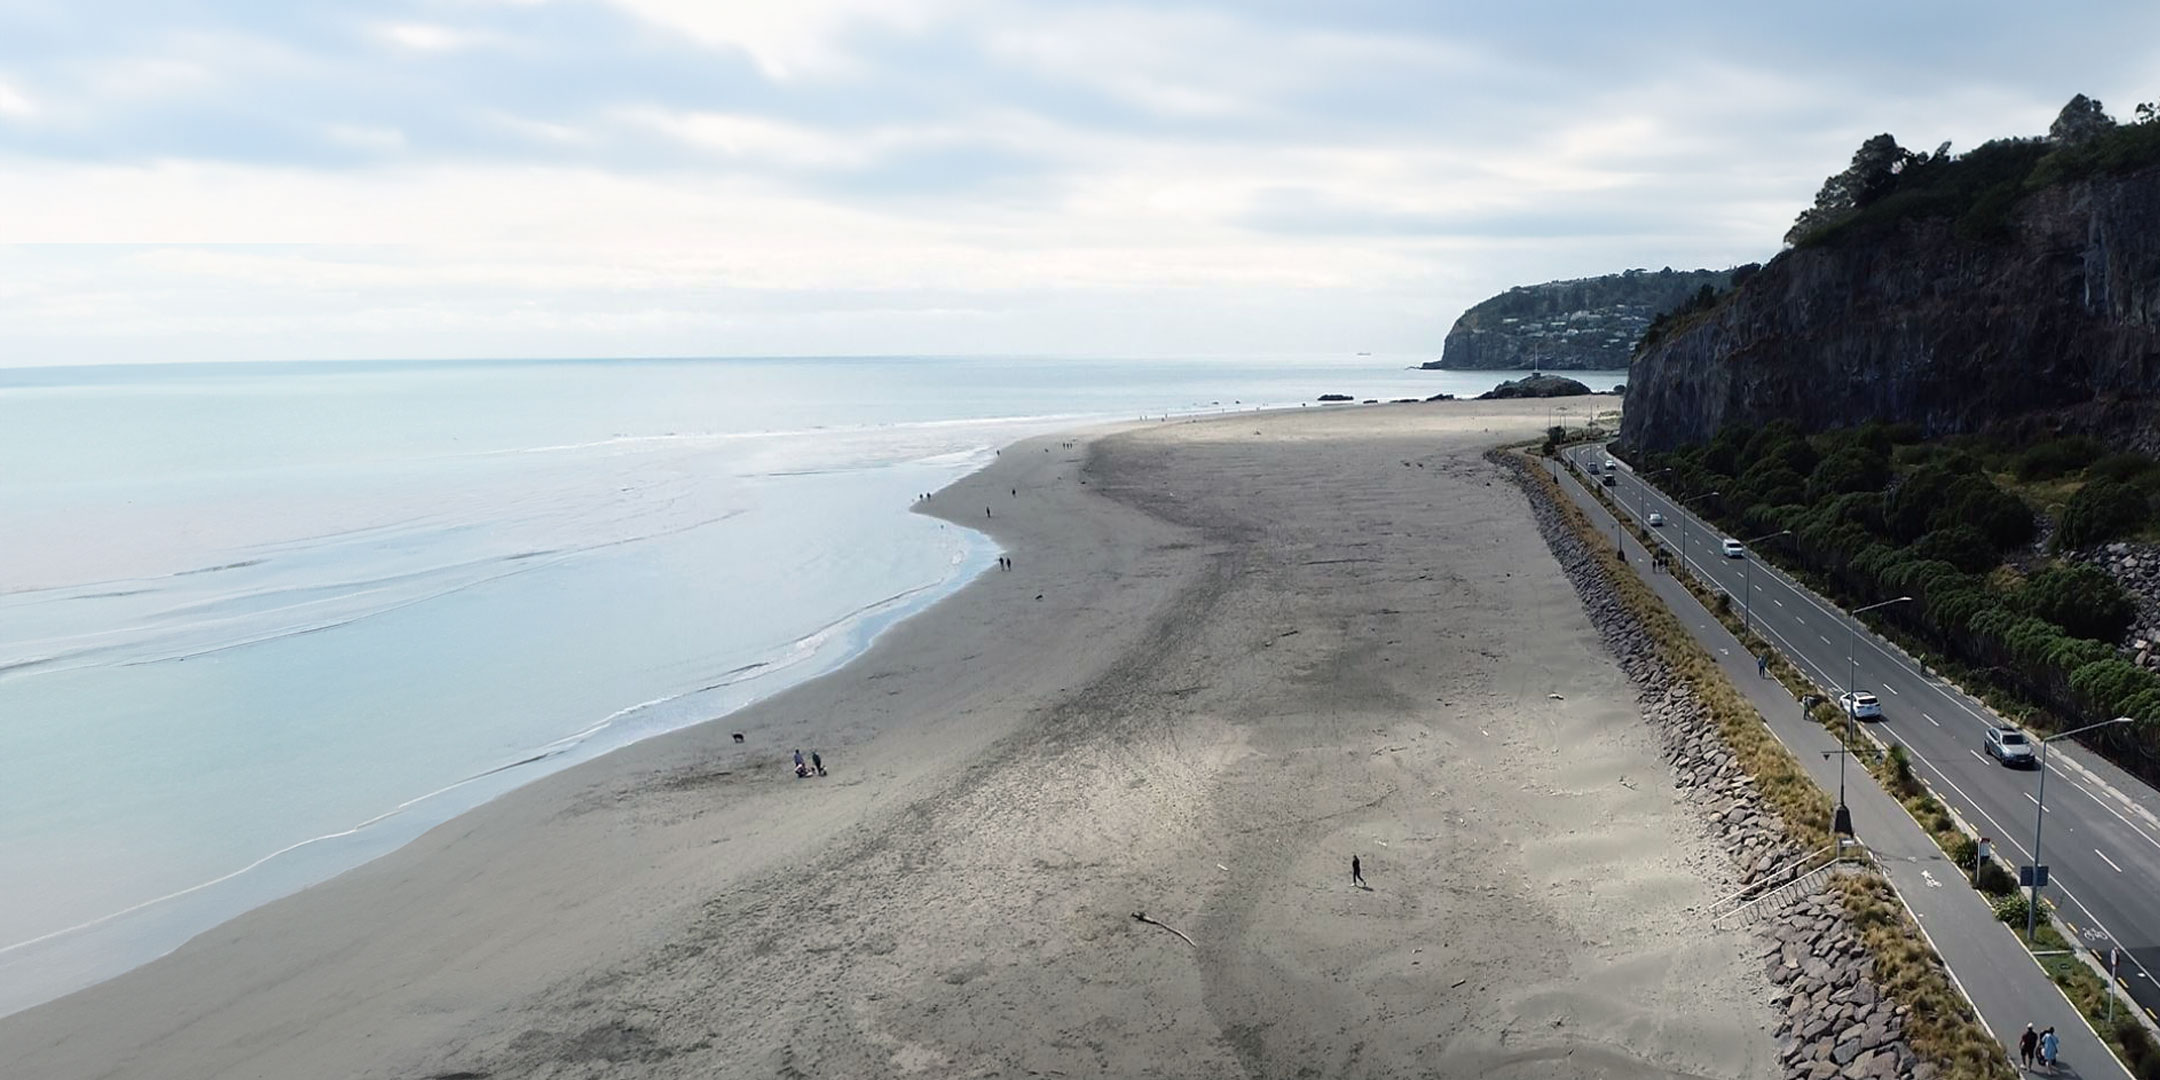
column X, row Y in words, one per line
column 1142, row 916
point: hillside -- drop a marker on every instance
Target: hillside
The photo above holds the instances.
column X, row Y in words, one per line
column 1587, row 324
column 2017, row 285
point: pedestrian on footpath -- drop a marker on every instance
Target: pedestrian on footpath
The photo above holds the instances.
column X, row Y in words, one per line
column 2028, row 1047
column 1357, row 872
column 2048, row 1045
column 1762, row 665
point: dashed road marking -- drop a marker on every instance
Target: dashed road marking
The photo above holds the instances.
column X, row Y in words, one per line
column 2030, row 799
column 2105, row 859
column 1892, row 689
column 1931, row 719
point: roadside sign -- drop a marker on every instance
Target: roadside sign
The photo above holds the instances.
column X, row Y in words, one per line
column 2026, row 875
column 1987, row 848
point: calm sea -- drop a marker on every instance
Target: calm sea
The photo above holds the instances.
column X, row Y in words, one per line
column 260, row 623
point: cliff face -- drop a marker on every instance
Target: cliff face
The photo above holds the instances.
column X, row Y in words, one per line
column 1588, row 324
column 1954, row 335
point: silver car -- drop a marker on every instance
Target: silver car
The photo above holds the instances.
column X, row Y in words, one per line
column 2011, row 747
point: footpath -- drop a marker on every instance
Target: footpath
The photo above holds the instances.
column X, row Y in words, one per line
column 1986, row 959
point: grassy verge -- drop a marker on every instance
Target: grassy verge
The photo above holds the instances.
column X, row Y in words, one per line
column 1941, row 1024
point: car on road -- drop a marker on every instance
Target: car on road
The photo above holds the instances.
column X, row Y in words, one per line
column 1733, row 550
column 1611, row 465
column 2011, row 747
column 1657, row 520
column 1861, row 706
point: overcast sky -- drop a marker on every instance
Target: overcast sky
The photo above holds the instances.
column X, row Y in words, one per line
column 257, row 179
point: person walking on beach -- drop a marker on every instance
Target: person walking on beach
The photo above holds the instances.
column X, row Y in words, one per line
column 2028, row 1047
column 2049, row 1044
column 1357, row 872
column 817, row 764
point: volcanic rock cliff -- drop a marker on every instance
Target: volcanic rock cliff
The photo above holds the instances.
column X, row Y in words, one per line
column 2054, row 309
column 1587, row 324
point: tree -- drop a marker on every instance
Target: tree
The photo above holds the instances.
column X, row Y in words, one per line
column 2101, row 510
column 2148, row 112
column 2081, row 120
column 2081, row 599
column 1872, row 175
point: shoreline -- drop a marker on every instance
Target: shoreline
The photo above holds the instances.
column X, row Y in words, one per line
column 699, row 755
column 1227, row 653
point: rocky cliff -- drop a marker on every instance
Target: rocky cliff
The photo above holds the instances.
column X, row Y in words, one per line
column 2042, row 304
column 1588, row 324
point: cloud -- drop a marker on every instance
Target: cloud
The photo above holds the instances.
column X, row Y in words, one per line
column 455, row 177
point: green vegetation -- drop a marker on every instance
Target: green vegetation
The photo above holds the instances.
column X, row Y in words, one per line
column 1873, row 515
column 1887, row 184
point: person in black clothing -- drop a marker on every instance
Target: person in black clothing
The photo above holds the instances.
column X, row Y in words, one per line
column 817, row 764
column 1357, row 872
column 2028, row 1045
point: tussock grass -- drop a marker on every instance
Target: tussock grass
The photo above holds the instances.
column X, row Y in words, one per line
column 1939, row 1022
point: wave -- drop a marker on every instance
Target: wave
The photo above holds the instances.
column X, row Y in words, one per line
column 780, row 660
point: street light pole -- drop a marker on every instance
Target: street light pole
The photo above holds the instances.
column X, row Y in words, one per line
column 1852, row 645
column 2032, row 901
column 1747, row 603
column 1642, row 496
column 1683, row 505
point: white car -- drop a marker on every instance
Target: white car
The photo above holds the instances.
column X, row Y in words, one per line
column 1656, row 520
column 1861, row 706
column 1733, row 550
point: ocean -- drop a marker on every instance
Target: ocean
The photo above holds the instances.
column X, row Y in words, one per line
column 260, row 623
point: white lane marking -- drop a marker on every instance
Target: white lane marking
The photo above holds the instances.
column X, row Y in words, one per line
column 2105, row 859
column 1983, row 761
column 1777, row 601
column 1892, row 689
column 1975, row 804
column 1931, row 720
column 2109, row 807
column 2030, row 799
column 1825, row 640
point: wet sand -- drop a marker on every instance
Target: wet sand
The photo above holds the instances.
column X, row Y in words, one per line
column 1231, row 653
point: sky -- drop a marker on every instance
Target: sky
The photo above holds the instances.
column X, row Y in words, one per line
column 188, row 180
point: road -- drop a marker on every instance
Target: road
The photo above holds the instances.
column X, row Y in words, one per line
column 1987, row 961
column 2101, row 839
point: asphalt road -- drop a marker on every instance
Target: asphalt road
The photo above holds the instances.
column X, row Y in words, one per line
column 2100, row 839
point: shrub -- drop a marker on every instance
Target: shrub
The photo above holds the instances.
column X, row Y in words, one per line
column 1852, row 469
column 1963, row 851
column 2056, row 457
column 1993, row 880
column 1974, row 500
column 2081, row 599
column 2100, row 511
column 2011, row 909
column 1901, row 771
column 2123, row 468
column 1960, row 545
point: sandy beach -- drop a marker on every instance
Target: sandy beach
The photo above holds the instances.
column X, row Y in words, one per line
column 1231, row 654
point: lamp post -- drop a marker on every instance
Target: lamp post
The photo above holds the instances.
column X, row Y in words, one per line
column 1841, row 819
column 1682, row 505
column 1642, row 495
column 1747, row 603
column 2032, row 901
column 1852, row 643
